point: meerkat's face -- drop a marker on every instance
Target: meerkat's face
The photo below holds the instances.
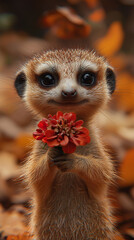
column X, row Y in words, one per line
column 66, row 80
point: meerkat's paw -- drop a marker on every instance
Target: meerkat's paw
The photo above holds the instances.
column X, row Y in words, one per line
column 63, row 163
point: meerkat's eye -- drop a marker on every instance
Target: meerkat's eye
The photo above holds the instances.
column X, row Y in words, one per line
column 47, row 80
column 87, row 79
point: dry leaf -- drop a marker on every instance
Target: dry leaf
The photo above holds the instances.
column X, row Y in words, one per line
column 24, row 236
column 12, row 130
column 130, row 232
column 10, row 104
column 21, row 45
column 126, row 202
column 92, row 3
column 124, row 93
column 8, row 165
column 119, row 238
column 127, row 169
column 5, row 190
column 7, row 92
column 66, row 24
column 24, row 141
column 12, row 222
column 97, row 16
column 112, row 41
column 118, row 62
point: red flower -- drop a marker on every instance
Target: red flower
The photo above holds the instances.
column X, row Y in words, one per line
column 61, row 129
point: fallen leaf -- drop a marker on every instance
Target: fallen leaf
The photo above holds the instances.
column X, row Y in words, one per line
column 112, row 41
column 126, row 202
column 118, row 62
column 12, row 222
column 24, row 141
column 127, row 169
column 66, row 24
column 10, row 104
column 21, row 45
column 97, row 16
column 124, row 93
column 21, row 198
column 130, row 232
column 8, row 165
column 71, row 15
column 92, row 3
column 119, row 238
column 11, row 147
column 7, row 92
column 5, row 190
column 24, row 236
column 12, row 130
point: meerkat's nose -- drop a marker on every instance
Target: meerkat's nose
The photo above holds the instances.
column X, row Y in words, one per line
column 69, row 94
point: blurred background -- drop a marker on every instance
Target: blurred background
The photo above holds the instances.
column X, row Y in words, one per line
column 28, row 27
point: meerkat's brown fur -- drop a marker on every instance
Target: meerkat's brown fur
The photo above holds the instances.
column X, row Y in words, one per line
column 70, row 195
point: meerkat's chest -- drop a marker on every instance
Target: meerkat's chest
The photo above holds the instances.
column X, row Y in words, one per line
column 69, row 194
column 70, row 212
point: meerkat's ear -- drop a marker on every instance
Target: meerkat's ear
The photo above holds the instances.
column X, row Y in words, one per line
column 111, row 79
column 20, row 83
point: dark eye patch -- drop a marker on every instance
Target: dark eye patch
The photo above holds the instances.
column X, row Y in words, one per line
column 111, row 80
column 20, row 83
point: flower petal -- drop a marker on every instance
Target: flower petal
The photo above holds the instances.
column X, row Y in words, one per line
column 69, row 148
column 84, row 140
column 52, row 137
column 43, row 124
column 53, row 122
column 44, row 139
column 83, row 136
column 49, row 133
column 38, row 135
column 76, row 141
column 65, row 141
column 84, row 131
column 58, row 115
column 52, row 143
column 70, row 116
column 50, row 117
column 79, row 123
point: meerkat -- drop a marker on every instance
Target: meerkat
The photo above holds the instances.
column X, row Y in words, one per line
column 70, row 191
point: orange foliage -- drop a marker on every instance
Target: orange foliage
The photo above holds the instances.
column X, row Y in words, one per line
column 67, row 30
column 112, row 41
column 65, row 24
column 119, row 238
column 92, row 3
column 127, row 169
column 125, row 91
column 24, row 236
column 97, row 16
column 118, row 62
column 24, row 141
